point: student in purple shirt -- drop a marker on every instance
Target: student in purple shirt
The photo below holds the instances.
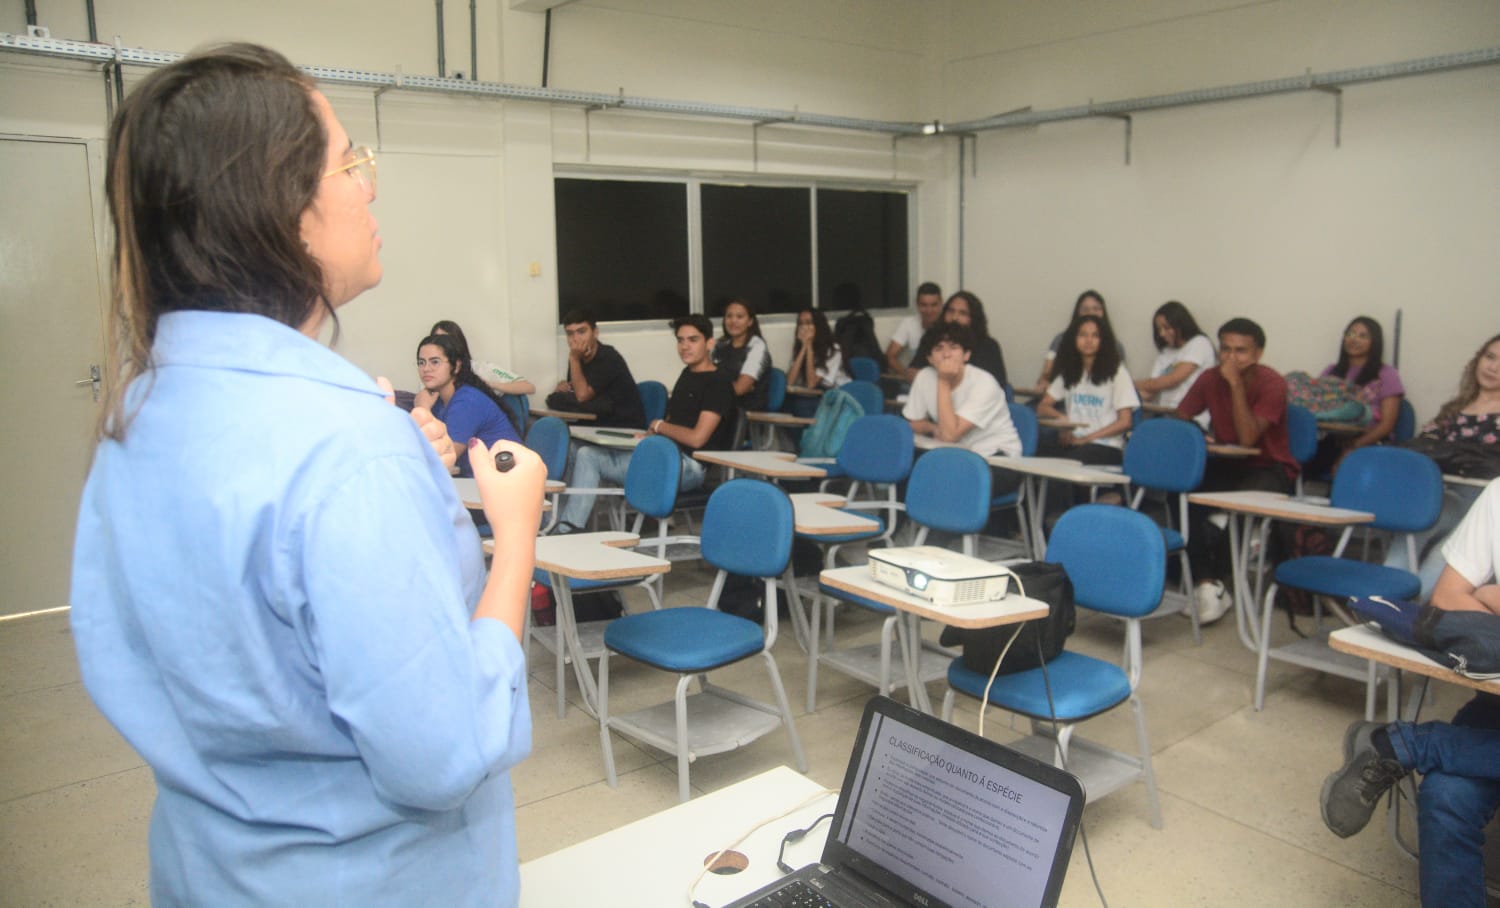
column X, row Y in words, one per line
column 1362, row 364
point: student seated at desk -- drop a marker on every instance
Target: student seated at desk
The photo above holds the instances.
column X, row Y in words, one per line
column 501, row 380
column 1246, row 405
column 1095, row 388
column 1471, row 419
column 1361, row 363
column 1183, row 352
column 700, row 416
column 817, row 361
column 1089, row 302
column 955, row 401
column 1459, row 761
column 457, row 396
column 599, row 381
column 742, row 355
column 909, row 333
column 964, row 308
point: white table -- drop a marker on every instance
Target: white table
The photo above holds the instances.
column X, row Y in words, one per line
column 856, row 583
column 1244, row 509
column 771, row 421
column 585, row 556
column 1453, row 480
column 1037, row 472
column 564, row 415
column 816, row 514
column 649, row 863
column 770, row 464
column 468, row 491
column 609, row 438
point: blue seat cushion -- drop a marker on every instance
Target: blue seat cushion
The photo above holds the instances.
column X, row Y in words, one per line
column 845, row 596
column 1005, row 501
column 1345, row 577
column 688, row 639
column 542, row 578
column 1082, row 686
column 1173, row 539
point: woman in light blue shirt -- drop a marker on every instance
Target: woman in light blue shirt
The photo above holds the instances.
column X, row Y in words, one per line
column 277, row 597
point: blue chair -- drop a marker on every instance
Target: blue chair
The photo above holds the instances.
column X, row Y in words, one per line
column 1117, row 562
column 651, row 489
column 1404, row 490
column 1024, row 419
column 747, row 530
column 871, row 398
column 1406, row 422
column 947, row 491
column 653, row 399
column 764, row 435
column 521, row 406
column 1302, row 438
column 548, row 437
column 775, row 390
column 864, row 369
column 1168, row 455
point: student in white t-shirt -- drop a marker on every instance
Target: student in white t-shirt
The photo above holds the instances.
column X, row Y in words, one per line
column 1183, row 352
column 909, row 332
column 955, row 402
column 1095, row 388
column 502, row 380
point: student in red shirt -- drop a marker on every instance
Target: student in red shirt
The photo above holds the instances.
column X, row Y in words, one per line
column 1246, row 403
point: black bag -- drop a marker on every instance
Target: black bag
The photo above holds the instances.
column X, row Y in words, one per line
column 1473, row 459
column 1046, row 582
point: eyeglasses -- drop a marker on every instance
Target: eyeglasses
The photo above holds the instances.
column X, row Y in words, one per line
column 363, row 166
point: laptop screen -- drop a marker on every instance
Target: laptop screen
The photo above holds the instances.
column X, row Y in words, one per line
column 940, row 816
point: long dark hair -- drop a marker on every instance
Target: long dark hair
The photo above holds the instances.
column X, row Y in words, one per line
column 1468, row 385
column 1091, row 295
column 457, row 353
column 1179, row 319
column 754, row 329
column 1070, row 361
column 979, row 325
column 211, row 162
column 1376, row 358
column 822, row 344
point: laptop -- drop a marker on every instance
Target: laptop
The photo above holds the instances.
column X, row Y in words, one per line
column 932, row 815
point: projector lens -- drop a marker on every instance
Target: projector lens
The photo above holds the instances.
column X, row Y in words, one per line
column 919, row 581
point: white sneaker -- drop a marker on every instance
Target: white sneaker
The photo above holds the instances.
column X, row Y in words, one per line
column 1213, row 601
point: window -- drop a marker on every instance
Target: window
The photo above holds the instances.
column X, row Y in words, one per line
column 657, row 248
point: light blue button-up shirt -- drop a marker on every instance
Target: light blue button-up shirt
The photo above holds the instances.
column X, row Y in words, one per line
column 272, row 587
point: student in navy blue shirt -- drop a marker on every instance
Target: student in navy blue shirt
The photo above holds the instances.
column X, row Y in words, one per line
column 459, row 398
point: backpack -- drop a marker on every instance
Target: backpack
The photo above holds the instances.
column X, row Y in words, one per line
column 1041, row 580
column 855, row 334
column 836, row 412
column 1329, row 399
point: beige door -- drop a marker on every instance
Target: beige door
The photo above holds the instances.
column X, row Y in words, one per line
column 50, row 338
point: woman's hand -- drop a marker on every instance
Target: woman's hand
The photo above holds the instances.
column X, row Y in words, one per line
column 805, row 333
column 512, row 499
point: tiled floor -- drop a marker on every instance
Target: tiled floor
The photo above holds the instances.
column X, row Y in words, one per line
column 1239, row 788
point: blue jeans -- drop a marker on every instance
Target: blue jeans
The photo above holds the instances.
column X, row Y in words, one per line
column 594, row 466
column 1460, row 791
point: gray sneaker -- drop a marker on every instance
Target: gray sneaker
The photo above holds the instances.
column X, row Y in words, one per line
column 1350, row 794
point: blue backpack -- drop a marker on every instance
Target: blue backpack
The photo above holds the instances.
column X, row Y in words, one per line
column 836, row 412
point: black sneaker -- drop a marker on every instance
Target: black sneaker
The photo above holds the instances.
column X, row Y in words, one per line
column 1349, row 795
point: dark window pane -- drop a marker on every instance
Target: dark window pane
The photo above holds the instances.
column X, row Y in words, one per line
column 622, row 248
column 862, row 249
column 757, row 246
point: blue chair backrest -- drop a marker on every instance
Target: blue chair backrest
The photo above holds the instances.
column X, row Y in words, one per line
column 549, row 439
column 775, row 390
column 747, row 529
column 653, row 399
column 1010, row 393
column 1403, row 489
column 871, row 398
column 877, row 449
column 864, row 369
column 1167, row 455
column 1024, row 419
column 1406, row 422
column 652, row 477
column 949, row 490
column 1301, row 432
column 1115, row 557
column 521, row 406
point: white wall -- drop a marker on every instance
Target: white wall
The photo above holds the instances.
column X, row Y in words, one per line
column 1243, row 208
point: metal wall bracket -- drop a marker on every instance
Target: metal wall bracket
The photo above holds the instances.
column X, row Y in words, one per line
column 1129, row 131
column 1338, row 113
column 755, row 140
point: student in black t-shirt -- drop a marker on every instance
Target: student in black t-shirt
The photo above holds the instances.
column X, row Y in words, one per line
column 599, row 381
column 700, row 416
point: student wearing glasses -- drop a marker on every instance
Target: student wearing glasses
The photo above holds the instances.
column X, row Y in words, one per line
column 279, row 599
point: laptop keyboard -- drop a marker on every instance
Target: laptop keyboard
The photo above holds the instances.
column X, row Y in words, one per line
column 795, row 895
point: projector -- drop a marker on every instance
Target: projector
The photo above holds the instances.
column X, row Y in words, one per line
column 940, row 576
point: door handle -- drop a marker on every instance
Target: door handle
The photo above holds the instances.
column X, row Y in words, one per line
column 94, row 380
